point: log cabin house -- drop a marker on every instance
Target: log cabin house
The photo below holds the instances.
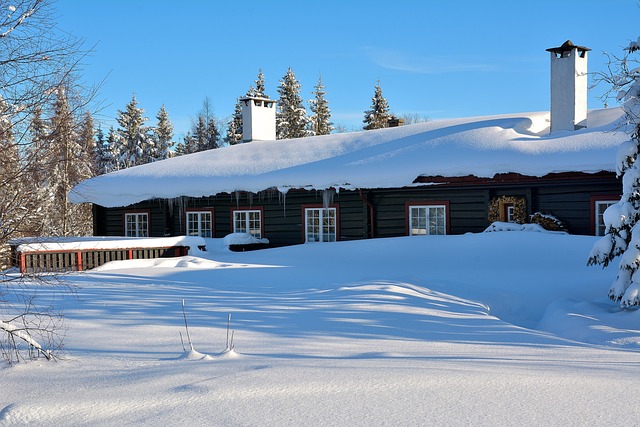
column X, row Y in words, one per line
column 440, row 177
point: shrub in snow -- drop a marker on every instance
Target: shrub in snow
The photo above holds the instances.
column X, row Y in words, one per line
column 547, row 221
column 622, row 236
column 512, row 226
column 242, row 239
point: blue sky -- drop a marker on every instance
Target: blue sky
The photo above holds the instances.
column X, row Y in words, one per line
column 439, row 59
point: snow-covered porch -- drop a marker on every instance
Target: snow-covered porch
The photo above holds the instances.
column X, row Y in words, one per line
column 61, row 254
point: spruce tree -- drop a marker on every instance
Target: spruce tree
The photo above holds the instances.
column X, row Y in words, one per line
column 136, row 143
column 163, row 135
column 321, row 118
column 70, row 162
column 377, row 116
column 111, row 153
column 212, row 134
column 622, row 219
column 234, row 126
column 199, row 131
column 291, row 116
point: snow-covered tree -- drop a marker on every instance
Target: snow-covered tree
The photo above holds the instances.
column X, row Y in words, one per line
column 321, row 118
column 258, row 90
column 377, row 116
column 70, row 161
column 111, row 153
column 234, row 126
column 291, row 116
column 622, row 236
column 37, row 59
column 135, row 138
column 163, row 135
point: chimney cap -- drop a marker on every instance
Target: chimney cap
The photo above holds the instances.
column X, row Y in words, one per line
column 567, row 47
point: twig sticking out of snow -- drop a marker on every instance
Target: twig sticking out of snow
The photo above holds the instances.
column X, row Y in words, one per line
column 186, row 326
column 229, row 339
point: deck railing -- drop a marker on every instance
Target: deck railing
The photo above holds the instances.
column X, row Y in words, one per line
column 57, row 261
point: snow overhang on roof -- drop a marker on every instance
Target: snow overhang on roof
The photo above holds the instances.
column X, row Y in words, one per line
column 384, row 158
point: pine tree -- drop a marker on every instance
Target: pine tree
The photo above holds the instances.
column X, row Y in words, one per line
column 234, row 126
column 291, row 116
column 111, row 153
column 259, row 91
column 321, row 118
column 163, row 135
column 622, row 219
column 87, row 144
column 69, row 158
column 377, row 116
column 136, row 143
column 199, row 134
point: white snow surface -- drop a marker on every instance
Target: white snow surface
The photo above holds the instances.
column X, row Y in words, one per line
column 385, row 158
column 29, row 244
column 501, row 329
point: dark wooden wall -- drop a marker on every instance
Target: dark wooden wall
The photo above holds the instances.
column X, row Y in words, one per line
column 568, row 199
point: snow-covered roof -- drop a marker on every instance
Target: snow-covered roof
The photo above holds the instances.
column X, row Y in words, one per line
column 385, row 158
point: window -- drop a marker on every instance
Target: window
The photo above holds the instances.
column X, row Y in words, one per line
column 136, row 224
column 320, row 224
column 510, row 211
column 600, row 207
column 200, row 223
column 248, row 221
column 427, row 220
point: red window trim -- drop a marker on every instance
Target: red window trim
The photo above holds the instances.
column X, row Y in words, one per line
column 611, row 197
column 304, row 207
column 444, row 203
column 247, row 208
column 136, row 211
column 207, row 209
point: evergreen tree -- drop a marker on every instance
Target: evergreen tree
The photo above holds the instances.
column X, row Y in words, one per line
column 291, row 116
column 259, row 90
column 87, row 144
column 622, row 219
column 321, row 118
column 199, row 134
column 70, row 163
column 111, row 153
column 204, row 133
column 377, row 116
column 234, row 126
column 163, row 135
column 100, row 151
column 136, row 143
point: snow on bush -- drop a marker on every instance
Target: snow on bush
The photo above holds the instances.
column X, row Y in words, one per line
column 512, row 226
column 242, row 239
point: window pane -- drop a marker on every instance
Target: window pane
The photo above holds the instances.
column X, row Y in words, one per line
column 136, row 225
column 240, row 222
column 205, row 224
column 321, row 225
column 248, row 222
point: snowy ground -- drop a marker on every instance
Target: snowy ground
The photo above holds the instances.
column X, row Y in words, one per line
column 507, row 328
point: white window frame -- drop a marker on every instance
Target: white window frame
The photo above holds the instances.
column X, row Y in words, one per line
column 510, row 213
column 204, row 225
column 426, row 226
column 324, row 227
column 600, row 207
column 244, row 221
column 140, row 227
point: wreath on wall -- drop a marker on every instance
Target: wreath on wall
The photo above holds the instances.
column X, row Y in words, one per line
column 497, row 208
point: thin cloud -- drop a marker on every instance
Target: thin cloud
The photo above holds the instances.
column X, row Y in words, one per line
column 400, row 61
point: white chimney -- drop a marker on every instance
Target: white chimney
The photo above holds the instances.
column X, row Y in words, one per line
column 568, row 87
column 258, row 118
